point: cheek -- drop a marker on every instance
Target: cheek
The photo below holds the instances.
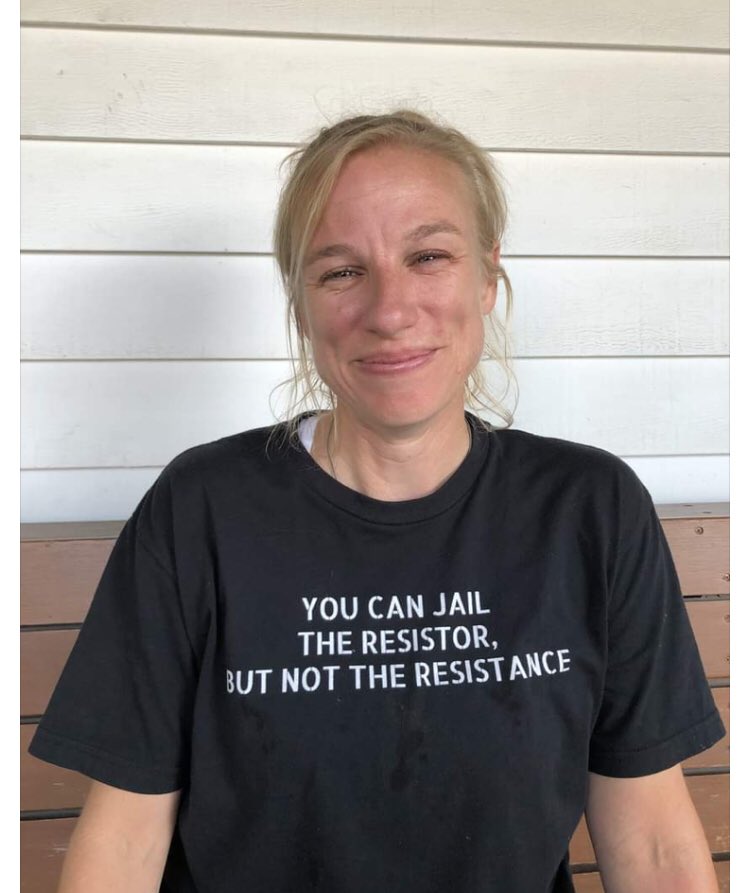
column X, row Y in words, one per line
column 472, row 344
column 329, row 319
column 463, row 313
column 332, row 332
column 467, row 323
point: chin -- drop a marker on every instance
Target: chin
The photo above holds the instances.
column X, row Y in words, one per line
column 410, row 413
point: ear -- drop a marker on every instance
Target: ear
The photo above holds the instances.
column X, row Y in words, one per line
column 489, row 293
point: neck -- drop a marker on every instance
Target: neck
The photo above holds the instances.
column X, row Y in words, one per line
column 391, row 465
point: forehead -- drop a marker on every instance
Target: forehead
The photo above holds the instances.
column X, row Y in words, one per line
column 396, row 181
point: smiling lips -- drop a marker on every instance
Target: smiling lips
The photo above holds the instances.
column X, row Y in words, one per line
column 404, row 361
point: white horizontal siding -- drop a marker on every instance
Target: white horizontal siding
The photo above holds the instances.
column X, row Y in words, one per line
column 683, row 479
column 126, row 85
column 635, row 407
column 91, row 494
column 106, row 494
column 94, row 414
column 211, row 307
column 125, row 197
column 151, row 307
column 616, row 248
column 692, row 23
column 592, row 307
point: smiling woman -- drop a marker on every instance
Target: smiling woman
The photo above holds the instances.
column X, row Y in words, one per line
column 473, row 192
column 394, row 317
column 388, row 239
column 281, row 685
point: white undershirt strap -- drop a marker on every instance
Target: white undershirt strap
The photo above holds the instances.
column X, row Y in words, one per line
column 306, row 431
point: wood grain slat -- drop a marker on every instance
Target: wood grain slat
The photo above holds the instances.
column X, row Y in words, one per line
column 45, row 842
column 722, row 875
column 43, row 653
column 45, row 786
column 710, row 622
column 43, row 846
column 716, row 757
column 700, row 548
column 43, row 656
column 710, row 795
column 61, row 563
column 58, row 579
column 56, row 531
column 592, row 882
column 679, row 510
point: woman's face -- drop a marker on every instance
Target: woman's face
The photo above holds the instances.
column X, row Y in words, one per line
column 394, row 289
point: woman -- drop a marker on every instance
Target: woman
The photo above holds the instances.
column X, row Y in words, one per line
column 386, row 647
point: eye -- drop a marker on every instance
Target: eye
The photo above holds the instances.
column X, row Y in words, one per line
column 425, row 257
column 338, row 275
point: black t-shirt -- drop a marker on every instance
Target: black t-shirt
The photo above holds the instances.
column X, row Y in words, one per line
column 358, row 695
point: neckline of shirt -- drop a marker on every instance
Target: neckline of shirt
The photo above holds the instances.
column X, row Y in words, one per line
column 386, row 511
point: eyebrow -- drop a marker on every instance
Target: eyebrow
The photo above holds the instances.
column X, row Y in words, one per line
column 423, row 231
column 429, row 229
column 329, row 251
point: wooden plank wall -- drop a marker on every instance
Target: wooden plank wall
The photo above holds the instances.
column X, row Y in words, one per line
column 152, row 131
column 61, row 565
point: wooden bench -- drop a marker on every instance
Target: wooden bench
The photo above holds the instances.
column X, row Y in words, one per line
column 61, row 565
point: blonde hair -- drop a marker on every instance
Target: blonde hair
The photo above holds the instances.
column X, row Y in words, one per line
column 312, row 172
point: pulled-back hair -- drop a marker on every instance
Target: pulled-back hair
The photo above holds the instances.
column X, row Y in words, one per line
column 313, row 169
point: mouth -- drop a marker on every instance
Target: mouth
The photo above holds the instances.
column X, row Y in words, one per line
column 392, row 363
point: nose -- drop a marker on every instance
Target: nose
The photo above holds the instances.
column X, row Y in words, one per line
column 391, row 305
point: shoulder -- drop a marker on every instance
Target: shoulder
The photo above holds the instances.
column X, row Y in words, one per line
column 226, row 456
column 564, row 459
column 211, row 479
column 578, row 481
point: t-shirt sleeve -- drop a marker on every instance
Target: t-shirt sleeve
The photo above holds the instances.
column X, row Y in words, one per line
column 656, row 709
column 121, row 711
